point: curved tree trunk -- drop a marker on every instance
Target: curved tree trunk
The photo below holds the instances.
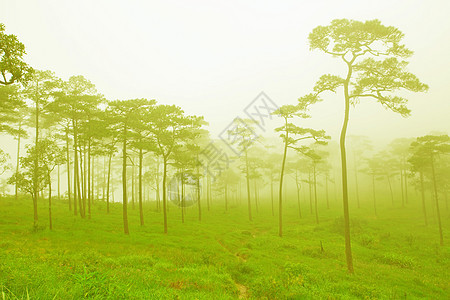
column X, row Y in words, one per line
column 280, row 202
column 348, row 247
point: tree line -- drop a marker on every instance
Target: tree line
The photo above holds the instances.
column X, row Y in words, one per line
column 76, row 127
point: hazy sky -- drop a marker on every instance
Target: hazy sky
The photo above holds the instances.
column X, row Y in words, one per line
column 213, row 57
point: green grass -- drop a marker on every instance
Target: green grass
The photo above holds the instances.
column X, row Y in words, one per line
column 223, row 257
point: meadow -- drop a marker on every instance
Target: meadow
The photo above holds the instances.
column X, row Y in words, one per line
column 222, row 257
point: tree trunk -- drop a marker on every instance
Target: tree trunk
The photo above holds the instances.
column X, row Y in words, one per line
column 108, row 182
column 182, row 197
column 401, row 185
column 280, row 202
column 59, row 185
column 158, row 198
column 132, row 185
column 298, row 194
column 164, row 192
column 124, row 182
column 84, row 178
column 141, row 210
column 76, row 187
column 390, row 189
column 315, row 195
column 271, row 194
column 36, row 166
column 198, row 193
column 248, row 187
column 68, row 168
column 16, row 188
column 406, row 187
column 104, row 179
column 348, row 247
column 441, row 236
column 422, row 190
column 50, row 201
column 310, row 192
column 89, row 186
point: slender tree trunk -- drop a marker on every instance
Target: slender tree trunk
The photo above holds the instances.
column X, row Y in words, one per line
column 390, row 189
column 441, row 236
column 164, row 192
column 104, row 179
column 141, row 210
column 315, row 195
column 59, row 185
column 310, row 192
column 271, row 194
column 406, row 186
column 182, row 197
column 84, row 178
column 132, row 185
column 50, row 201
column 82, row 182
column 124, row 182
column 36, row 166
column 68, row 168
column 348, row 247
column 16, row 192
column 422, row 190
column 76, row 187
column 94, row 191
column 298, row 194
column 108, row 182
column 248, row 187
column 401, row 185
column 198, row 193
column 280, row 203
column 158, row 199
column 89, row 187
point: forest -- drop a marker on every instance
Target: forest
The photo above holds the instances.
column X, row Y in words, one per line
column 138, row 199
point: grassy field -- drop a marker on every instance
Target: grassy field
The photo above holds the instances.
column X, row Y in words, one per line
column 224, row 257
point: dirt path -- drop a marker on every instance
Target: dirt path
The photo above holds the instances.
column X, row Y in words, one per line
column 241, row 288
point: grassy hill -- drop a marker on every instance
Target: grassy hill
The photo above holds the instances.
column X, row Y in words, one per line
column 224, row 257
